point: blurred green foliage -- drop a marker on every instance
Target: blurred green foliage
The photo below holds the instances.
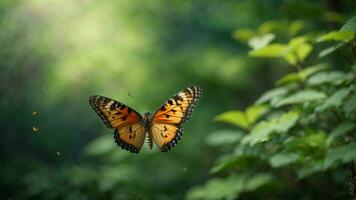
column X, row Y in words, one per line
column 294, row 59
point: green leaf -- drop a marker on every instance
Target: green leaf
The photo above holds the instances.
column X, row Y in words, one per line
column 295, row 27
column 301, row 97
column 350, row 106
column 233, row 117
column 257, row 181
column 333, row 77
column 301, row 75
column 272, row 94
column 298, row 54
column 342, row 154
column 258, row 42
column 310, row 167
column 342, row 36
column 273, row 26
column 350, row 25
column 288, row 78
column 314, row 139
column 243, row 35
column 340, row 130
column 311, row 142
column 227, row 162
column 99, row 146
column 223, row 137
column 230, row 187
column 330, row 50
column 253, row 113
column 270, row 51
column 308, row 71
column 262, row 131
column 242, row 119
column 334, row 17
column 298, row 50
column 335, row 100
column 283, row 159
column 218, row 188
column 295, row 51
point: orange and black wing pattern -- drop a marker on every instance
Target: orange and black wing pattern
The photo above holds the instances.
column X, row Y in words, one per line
column 167, row 122
column 129, row 134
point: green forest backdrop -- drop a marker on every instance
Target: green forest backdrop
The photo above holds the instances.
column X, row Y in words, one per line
column 276, row 120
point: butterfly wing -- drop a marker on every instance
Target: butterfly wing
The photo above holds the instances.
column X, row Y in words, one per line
column 167, row 122
column 129, row 134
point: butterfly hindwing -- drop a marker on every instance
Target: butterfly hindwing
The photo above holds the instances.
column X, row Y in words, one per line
column 129, row 133
column 166, row 136
column 167, row 122
column 131, row 137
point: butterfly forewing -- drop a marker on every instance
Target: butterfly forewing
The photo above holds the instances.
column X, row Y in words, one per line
column 129, row 133
column 178, row 108
column 113, row 113
column 171, row 115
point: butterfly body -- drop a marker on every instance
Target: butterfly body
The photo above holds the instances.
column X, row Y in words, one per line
column 164, row 127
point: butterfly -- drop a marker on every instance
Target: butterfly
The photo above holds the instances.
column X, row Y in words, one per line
column 164, row 127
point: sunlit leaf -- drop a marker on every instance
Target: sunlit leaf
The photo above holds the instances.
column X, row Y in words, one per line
column 262, row 131
column 295, row 51
column 223, row 137
column 233, row 117
column 273, row 26
column 298, row 50
column 301, row 97
column 343, row 36
column 243, row 35
column 342, row 154
column 242, row 119
column 252, row 113
column 288, row 78
column 295, row 27
column 283, row 159
column 270, row 51
column 258, row 42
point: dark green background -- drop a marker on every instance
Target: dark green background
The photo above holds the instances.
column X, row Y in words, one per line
column 55, row 54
